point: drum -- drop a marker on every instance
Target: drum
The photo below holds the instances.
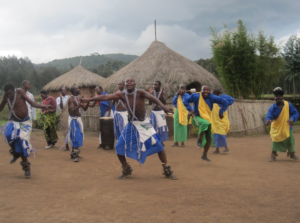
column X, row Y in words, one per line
column 170, row 124
column 107, row 132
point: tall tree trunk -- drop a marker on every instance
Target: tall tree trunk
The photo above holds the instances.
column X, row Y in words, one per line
column 294, row 86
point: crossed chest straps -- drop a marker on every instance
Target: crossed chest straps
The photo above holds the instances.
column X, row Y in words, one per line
column 132, row 111
column 12, row 105
column 157, row 95
column 120, row 101
column 77, row 103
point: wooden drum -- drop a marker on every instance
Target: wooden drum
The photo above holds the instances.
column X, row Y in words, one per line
column 107, row 132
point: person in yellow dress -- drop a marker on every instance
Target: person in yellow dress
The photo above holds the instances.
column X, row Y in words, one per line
column 281, row 116
column 201, row 112
column 220, row 127
column 180, row 116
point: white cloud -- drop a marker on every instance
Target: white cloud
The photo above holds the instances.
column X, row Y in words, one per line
column 47, row 30
column 76, row 40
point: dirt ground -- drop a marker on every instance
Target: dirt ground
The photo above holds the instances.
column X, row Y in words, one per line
column 239, row 187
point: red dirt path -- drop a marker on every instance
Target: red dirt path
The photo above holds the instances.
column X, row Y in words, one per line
column 239, row 187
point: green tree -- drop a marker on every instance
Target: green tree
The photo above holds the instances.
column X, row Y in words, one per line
column 291, row 56
column 247, row 65
column 269, row 62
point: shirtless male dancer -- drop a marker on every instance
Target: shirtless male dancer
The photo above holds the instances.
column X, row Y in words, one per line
column 121, row 114
column 75, row 123
column 17, row 130
column 139, row 139
column 157, row 116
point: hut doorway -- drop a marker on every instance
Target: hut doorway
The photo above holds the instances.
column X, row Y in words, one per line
column 195, row 85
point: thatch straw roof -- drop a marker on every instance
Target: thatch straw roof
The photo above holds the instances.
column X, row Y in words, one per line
column 163, row 64
column 79, row 76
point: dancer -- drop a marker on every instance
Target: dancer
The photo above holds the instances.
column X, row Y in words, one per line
column 281, row 116
column 203, row 104
column 49, row 119
column 220, row 127
column 18, row 129
column 139, row 139
column 26, row 85
column 61, row 102
column 121, row 114
column 157, row 116
column 76, row 129
column 180, row 116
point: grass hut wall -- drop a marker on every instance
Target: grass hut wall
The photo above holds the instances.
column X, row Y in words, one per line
column 163, row 64
column 80, row 77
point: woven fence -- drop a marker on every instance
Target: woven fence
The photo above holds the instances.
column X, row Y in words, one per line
column 245, row 118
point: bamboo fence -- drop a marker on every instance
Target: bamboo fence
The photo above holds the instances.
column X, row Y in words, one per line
column 245, row 117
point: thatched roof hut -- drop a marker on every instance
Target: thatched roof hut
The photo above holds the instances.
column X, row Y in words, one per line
column 163, row 64
column 80, row 77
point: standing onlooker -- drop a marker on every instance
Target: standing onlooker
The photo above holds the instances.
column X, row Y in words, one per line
column 61, row 101
column 49, row 119
column 31, row 111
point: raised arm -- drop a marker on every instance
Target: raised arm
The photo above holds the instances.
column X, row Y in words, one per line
column 187, row 99
column 222, row 102
column 33, row 111
column 85, row 107
column 155, row 100
column 3, row 102
column 162, row 97
column 174, row 101
column 186, row 104
column 269, row 116
column 103, row 97
column 32, row 103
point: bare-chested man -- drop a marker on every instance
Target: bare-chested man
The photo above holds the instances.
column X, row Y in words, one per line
column 17, row 130
column 157, row 116
column 121, row 114
column 138, row 139
column 75, row 122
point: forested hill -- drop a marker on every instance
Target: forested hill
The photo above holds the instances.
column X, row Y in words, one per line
column 89, row 62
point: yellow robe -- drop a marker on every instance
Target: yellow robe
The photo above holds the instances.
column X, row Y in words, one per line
column 219, row 126
column 280, row 129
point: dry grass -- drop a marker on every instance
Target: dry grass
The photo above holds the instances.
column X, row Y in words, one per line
column 161, row 63
column 79, row 76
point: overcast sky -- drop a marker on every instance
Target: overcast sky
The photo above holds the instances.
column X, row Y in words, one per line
column 47, row 30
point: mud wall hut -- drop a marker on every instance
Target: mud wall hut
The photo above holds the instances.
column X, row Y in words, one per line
column 80, row 77
column 163, row 64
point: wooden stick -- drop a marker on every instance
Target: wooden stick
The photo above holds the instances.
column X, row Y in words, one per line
column 244, row 119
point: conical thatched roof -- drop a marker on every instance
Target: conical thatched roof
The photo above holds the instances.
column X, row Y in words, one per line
column 163, row 64
column 79, row 76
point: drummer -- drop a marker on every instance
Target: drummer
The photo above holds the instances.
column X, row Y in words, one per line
column 75, row 122
column 121, row 114
column 106, row 109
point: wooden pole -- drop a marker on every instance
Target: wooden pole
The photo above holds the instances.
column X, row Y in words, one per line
column 155, row 28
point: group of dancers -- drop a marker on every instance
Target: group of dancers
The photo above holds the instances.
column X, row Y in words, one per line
column 137, row 135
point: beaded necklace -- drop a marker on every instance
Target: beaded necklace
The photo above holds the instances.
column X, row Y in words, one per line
column 120, row 101
column 132, row 111
column 157, row 95
column 76, row 103
column 12, row 105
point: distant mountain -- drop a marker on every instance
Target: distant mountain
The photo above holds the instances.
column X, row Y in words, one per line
column 89, row 62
